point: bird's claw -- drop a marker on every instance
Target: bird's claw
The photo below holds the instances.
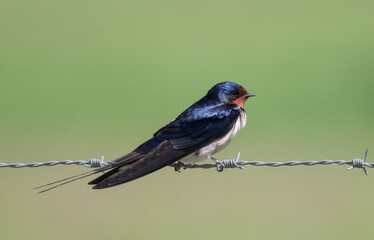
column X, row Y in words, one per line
column 178, row 165
column 219, row 166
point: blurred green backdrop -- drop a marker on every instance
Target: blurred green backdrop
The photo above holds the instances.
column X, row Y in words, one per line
column 81, row 79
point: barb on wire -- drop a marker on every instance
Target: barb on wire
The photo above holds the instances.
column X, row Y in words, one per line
column 94, row 163
column 221, row 164
column 359, row 163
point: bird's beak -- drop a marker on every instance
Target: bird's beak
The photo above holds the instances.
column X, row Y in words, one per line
column 248, row 95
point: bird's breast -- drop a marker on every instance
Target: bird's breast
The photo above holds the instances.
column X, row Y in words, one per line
column 218, row 145
column 221, row 143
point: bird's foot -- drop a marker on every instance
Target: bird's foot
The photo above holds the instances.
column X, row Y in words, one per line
column 178, row 165
column 218, row 165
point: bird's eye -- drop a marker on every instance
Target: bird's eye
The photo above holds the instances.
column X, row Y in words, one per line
column 233, row 94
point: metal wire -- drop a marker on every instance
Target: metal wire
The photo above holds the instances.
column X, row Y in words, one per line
column 94, row 163
column 221, row 164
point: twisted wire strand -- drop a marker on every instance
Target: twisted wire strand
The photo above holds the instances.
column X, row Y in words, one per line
column 94, row 163
column 227, row 163
column 221, row 164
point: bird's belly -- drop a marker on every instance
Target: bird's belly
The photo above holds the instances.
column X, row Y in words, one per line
column 216, row 146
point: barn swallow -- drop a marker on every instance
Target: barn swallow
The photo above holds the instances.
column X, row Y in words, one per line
column 199, row 132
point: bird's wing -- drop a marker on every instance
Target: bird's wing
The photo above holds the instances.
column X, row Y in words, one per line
column 139, row 153
column 187, row 132
column 180, row 138
column 127, row 159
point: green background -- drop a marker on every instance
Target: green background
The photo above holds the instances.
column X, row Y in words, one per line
column 81, row 79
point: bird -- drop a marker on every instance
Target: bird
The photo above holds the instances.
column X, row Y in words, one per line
column 202, row 130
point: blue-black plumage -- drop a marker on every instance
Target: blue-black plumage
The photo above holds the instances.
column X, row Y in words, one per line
column 203, row 129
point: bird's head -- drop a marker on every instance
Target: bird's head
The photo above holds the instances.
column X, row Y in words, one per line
column 230, row 92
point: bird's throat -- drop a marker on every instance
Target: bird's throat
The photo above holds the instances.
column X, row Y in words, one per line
column 240, row 102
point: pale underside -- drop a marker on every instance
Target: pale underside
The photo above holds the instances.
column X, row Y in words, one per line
column 208, row 151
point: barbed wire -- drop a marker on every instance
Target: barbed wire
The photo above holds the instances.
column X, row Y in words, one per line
column 220, row 164
column 93, row 163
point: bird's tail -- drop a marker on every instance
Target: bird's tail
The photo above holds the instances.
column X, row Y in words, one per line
column 64, row 181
